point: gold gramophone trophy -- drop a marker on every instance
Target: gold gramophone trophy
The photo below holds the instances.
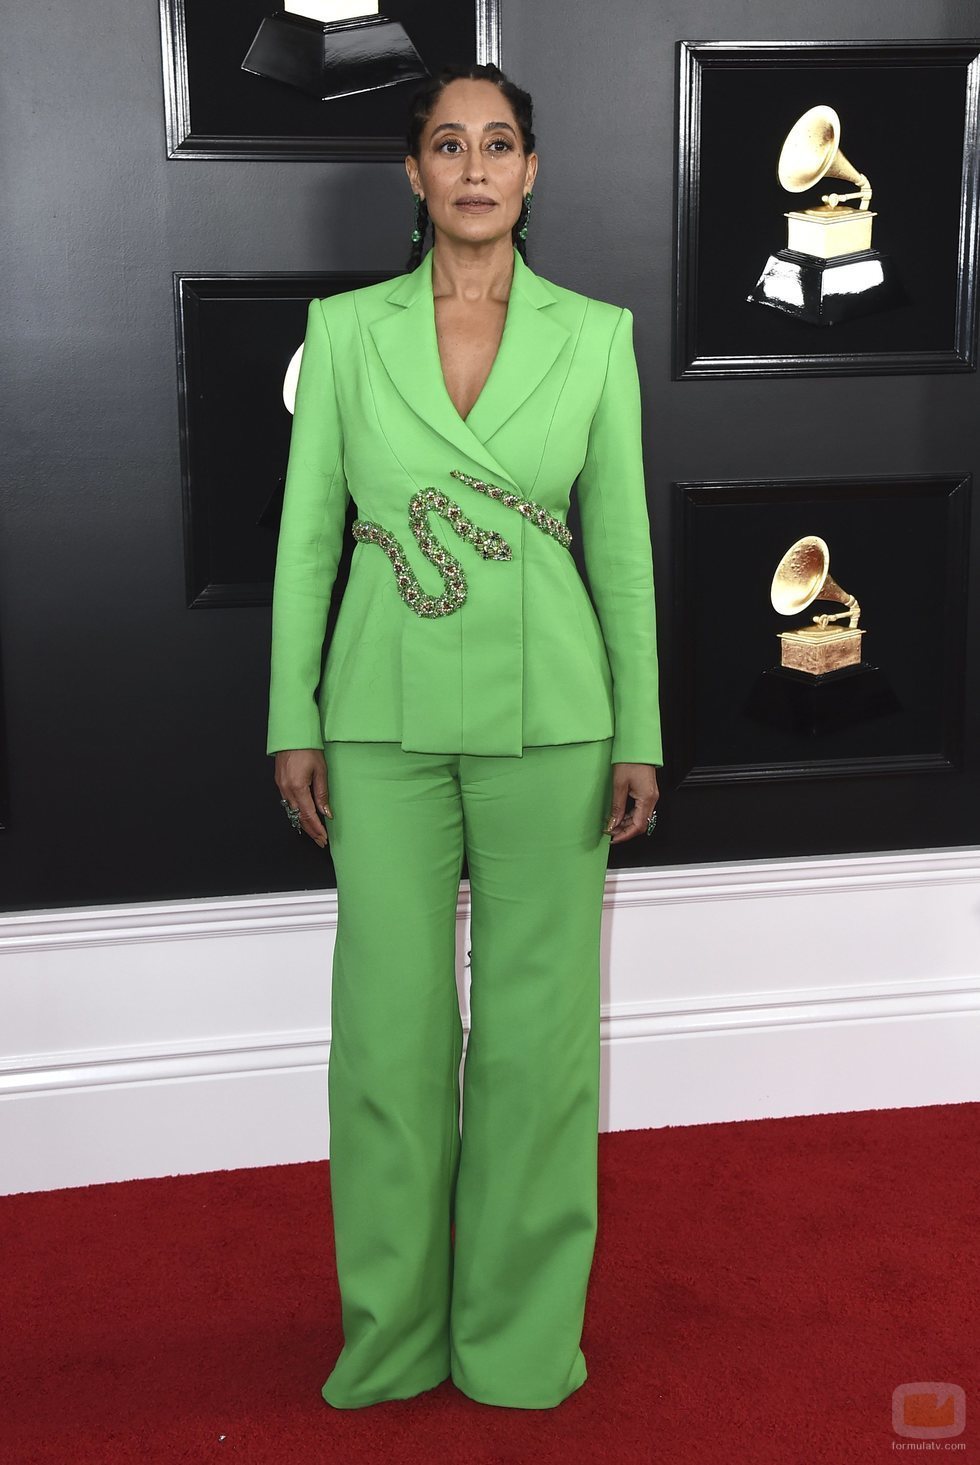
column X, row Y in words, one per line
column 822, row 684
column 828, row 271
column 802, row 576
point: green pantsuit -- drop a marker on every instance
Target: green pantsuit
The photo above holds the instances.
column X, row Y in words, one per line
column 502, row 1311
column 475, row 696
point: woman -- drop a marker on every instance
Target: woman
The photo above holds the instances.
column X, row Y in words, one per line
column 471, row 701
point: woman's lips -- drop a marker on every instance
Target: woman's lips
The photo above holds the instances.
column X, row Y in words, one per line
column 475, row 208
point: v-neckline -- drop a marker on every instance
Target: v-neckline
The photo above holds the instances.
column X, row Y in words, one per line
column 467, row 420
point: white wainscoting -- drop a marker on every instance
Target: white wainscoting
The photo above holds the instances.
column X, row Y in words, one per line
column 182, row 1036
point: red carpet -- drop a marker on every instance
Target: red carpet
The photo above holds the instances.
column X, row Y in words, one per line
column 759, row 1291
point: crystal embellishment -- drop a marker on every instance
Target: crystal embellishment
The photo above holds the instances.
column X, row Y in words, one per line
column 537, row 513
column 487, row 543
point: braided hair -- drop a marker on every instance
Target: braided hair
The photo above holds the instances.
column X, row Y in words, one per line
column 420, row 110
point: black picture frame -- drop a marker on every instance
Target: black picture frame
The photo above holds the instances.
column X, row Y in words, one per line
column 236, row 334
column 216, row 110
column 736, row 102
column 900, row 545
column 4, row 774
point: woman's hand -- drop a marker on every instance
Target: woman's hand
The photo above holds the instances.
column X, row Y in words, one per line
column 640, row 781
column 296, row 770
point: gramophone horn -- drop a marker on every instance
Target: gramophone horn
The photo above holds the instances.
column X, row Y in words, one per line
column 812, row 151
column 802, row 575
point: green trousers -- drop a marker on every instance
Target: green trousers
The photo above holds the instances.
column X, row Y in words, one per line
column 499, row 1303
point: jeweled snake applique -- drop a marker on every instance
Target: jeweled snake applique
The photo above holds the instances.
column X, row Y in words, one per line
column 486, row 542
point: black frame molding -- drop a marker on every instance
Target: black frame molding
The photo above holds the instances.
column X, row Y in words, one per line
column 4, row 773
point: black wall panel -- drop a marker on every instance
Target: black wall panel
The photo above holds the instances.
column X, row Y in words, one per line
column 135, row 727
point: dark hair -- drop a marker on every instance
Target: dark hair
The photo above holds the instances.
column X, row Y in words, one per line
column 421, row 105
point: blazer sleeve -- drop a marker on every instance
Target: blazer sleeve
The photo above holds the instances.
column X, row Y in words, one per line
column 310, row 540
column 618, row 554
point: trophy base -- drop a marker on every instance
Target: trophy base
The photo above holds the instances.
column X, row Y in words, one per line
column 825, row 292
column 333, row 59
column 817, row 651
column 798, row 702
column 826, row 232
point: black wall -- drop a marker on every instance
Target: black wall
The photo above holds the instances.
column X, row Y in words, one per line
column 136, row 728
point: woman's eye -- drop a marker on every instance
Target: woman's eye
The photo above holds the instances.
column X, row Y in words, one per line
column 454, row 142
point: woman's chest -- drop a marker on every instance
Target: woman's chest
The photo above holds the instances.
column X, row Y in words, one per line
column 402, row 427
column 468, row 339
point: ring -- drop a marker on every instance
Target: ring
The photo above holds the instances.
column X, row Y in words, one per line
column 652, row 822
column 292, row 814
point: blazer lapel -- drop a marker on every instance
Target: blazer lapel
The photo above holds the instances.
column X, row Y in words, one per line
column 407, row 344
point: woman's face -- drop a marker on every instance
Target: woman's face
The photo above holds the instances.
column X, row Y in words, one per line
column 471, row 148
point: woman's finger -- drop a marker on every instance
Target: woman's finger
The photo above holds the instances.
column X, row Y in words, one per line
column 301, row 777
column 619, row 792
column 320, row 795
column 635, row 821
column 309, row 820
column 635, row 780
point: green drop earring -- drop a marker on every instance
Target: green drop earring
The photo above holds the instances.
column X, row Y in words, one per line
column 522, row 231
column 417, row 232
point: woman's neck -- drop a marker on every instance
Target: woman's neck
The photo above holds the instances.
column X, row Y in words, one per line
column 473, row 272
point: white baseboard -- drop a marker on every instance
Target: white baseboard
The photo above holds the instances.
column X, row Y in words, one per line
column 182, row 1036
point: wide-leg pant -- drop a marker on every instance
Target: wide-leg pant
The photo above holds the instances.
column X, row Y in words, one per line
column 500, row 1306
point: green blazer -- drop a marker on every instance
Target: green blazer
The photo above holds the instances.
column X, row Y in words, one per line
column 489, row 643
